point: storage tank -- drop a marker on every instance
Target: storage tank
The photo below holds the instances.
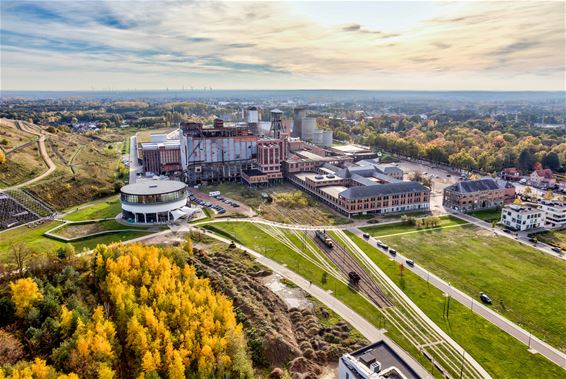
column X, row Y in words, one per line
column 253, row 117
column 299, row 114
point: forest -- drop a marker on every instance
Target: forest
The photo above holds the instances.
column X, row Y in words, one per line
column 126, row 311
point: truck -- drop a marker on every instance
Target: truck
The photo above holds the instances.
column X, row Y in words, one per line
column 321, row 235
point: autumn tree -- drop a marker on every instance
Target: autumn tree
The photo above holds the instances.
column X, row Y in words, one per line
column 21, row 255
column 25, row 293
column 2, row 157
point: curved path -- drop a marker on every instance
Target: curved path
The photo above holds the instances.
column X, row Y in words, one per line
column 42, row 150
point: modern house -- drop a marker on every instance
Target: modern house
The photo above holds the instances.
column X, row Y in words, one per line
column 554, row 213
column 522, row 217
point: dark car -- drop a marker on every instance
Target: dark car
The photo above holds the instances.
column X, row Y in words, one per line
column 533, row 240
column 484, row 298
column 507, row 231
column 556, row 249
column 410, row 262
column 366, row 236
column 393, row 252
column 236, row 205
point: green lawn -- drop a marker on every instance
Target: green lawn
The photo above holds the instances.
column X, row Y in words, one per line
column 97, row 210
column 554, row 238
column 488, row 215
column 249, row 235
column 387, row 229
column 33, row 238
column 500, row 354
column 530, row 284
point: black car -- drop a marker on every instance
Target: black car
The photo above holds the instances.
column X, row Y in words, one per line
column 484, row 298
column 410, row 262
column 556, row 249
column 393, row 252
column 507, row 231
column 366, row 236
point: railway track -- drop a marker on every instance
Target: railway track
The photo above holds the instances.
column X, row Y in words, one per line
column 346, row 263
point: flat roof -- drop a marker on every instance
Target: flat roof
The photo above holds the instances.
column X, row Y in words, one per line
column 351, row 148
column 333, row 190
column 153, row 187
column 389, row 356
column 308, row 154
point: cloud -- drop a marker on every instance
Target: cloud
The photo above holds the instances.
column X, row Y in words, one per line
column 268, row 44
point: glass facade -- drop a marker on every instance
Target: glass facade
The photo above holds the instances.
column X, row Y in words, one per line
column 154, row 199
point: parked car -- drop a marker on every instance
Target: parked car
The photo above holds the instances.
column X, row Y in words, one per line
column 236, row 205
column 410, row 262
column 556, row 249
column 393, row 252
column 366, row 236
column 507, row 231
column 484, row 298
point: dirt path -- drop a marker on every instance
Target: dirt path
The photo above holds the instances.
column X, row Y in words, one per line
column 43, row 151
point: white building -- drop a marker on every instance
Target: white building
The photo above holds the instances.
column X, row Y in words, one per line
column 555, row 213
column 522, row 217
column 154, row 202
column 380, row 360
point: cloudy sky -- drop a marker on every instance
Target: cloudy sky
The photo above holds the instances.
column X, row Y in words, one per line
column 83, row 45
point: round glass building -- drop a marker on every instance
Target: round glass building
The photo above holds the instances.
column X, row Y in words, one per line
column 153, row 202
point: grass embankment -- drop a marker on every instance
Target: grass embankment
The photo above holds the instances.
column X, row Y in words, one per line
column 82, row 229
column 488, row 215
column 290, row 205
column 251, row 236
column 396, row 228
column 34, row 240
column 554, row 238
column 96, row 210
column 526, row 285
column 499, row 353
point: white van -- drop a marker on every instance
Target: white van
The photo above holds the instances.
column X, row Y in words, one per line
column 214, row 193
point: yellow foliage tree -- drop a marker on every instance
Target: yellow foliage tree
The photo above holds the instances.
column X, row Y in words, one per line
column 24, row 294
column 2, row 157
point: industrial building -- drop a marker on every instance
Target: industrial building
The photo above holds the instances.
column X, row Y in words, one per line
column 162, row 155
column 306, row 129
column 473, row 195
column 154, row 202
column 362, row 189
column 380, row 360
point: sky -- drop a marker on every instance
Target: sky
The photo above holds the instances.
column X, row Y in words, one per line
column 127, row 45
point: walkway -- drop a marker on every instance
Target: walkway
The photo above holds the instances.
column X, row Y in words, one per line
column 501, row 322
column 43, row 151
column 135, row 166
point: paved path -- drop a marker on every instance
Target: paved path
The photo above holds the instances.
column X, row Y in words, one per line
column 498, row 320
column 135, row 167
column 42, row 150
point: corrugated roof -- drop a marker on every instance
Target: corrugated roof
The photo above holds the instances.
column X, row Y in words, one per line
column 383, row 189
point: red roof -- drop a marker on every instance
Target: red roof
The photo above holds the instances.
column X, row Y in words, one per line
column 546, row 173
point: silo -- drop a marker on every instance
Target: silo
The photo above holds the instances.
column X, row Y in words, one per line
column 308, row 127
column 297, row 121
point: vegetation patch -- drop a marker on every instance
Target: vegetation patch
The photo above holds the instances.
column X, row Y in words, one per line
column 499, row 353
column 96, row 210
column 413, row 224
column 489, row 215
column 526, row 285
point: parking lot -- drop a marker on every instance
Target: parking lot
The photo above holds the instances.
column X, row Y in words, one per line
column 219, row 204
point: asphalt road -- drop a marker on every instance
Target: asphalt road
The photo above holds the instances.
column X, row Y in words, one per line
column 135, row 167
column 533, row 343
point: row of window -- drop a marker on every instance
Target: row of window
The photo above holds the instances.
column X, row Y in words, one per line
column 154, row 199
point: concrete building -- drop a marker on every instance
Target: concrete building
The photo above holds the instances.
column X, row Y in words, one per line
column 154, row 202
column 253, row 120
column 216, row 153
column 380, row 360
column 306, row 128
column 299, row 114
column 554, row 213
column 522, row 217
column 473, row 195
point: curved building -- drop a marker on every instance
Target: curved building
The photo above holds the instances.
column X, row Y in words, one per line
column 154, row 201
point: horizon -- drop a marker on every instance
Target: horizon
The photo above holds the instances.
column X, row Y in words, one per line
column 366, row 46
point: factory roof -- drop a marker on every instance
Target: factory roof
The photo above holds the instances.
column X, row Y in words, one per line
column 153, row 187
column 383, row 190
column 276, row 111
column 470, row 186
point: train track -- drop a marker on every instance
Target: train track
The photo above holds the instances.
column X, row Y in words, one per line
column 346, row 263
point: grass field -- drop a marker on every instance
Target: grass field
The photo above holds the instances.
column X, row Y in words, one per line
column 526, row 286
column 499, row 353
column 315, row 213
column 96, row 210
column 384, row 230
column 554, row 238
column 488, row 215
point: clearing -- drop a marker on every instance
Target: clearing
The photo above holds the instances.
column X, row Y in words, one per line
column 396, row 228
